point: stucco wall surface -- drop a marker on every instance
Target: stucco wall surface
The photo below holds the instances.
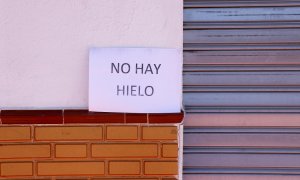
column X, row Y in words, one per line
column 44, row 44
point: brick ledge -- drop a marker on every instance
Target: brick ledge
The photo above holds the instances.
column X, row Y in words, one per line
column 71, row 116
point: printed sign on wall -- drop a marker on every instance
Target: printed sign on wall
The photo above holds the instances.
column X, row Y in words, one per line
column 135, row 80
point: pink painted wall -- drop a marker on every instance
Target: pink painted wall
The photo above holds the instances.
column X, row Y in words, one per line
column 44, row 44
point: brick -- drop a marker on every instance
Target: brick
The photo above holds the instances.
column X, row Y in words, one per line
column 27, row 178
column 136, row 118
column 31, row 116
column 125, row 178
column 42, row 178
column 159, row 133
column 70, row 168
column 170, row 150
column 70, row 150
column 85, row 116
column 16, row 169
column 166, row 117
column 122, row 132
column 14, row 133
column 24, row 151
column 124, row 168
column 161, row 168
column 75, row 178
column 61, row 133
column 128, row 150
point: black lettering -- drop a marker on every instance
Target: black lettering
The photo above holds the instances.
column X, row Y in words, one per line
column 113, row 66
column 120, row 90
column 133, row 89
column 140, row 94
column 157, row 68
column 151, row 89
column 148, row 68
column 127, row 89
column 139, row 68
column 123, row 68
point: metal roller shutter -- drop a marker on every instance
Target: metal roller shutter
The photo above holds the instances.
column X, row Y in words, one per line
column 242, row 89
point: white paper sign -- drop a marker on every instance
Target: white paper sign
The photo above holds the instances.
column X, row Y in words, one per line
column 135, row 80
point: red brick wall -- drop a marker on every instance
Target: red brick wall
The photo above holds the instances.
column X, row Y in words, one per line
column 102, row 151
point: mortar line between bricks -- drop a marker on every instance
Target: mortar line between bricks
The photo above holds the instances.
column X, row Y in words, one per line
column 104, row 132
column 106, row 167
column 32, row 131
column 142, row 167
column 140, row 132
column 160, row 150
column 148, row 118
